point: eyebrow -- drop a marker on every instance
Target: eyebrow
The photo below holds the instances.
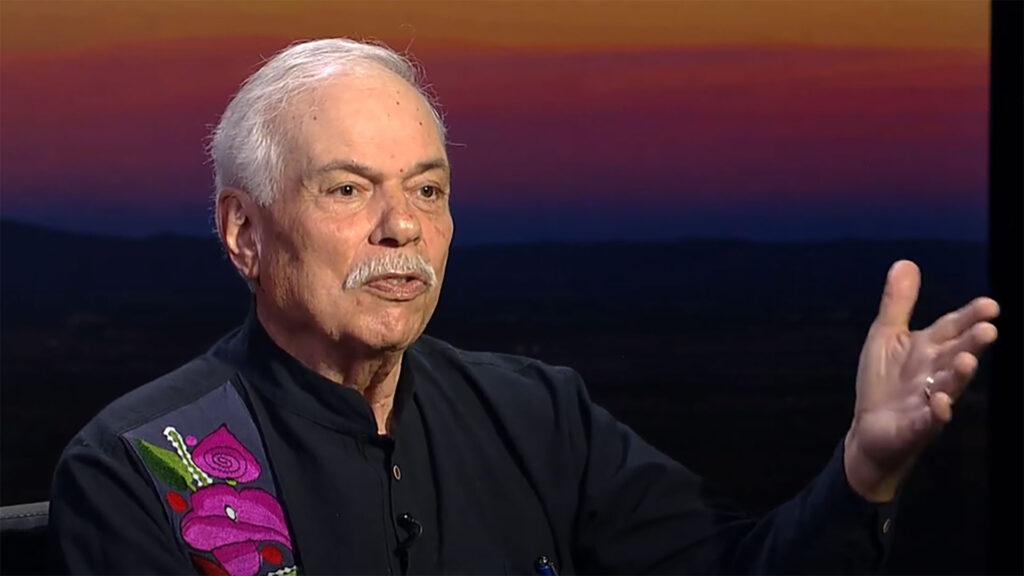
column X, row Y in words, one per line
column 365, row 171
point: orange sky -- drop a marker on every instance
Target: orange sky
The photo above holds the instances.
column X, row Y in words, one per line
column 43, row 27
column 734, row 105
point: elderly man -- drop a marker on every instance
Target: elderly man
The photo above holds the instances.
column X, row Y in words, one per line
column 327, row 435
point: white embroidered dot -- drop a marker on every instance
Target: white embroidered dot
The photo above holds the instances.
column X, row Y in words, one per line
column 230, row 512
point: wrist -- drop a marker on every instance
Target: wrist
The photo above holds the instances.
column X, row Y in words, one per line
column 871, row 480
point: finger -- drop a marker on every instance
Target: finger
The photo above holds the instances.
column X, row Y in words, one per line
column 953, row 378
column 954, row 323
column 942, row 407
column 973, row 341
column 901, row 288
column 945, row 385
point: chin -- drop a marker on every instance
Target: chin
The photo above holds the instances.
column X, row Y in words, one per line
column 388, row 342
column 391, row 334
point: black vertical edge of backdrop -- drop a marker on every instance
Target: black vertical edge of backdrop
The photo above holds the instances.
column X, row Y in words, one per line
column 1006, row 265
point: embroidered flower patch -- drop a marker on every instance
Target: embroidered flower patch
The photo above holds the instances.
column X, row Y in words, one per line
column 242, row 526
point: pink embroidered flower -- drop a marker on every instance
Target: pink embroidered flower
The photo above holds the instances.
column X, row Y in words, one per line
column 221, row 455
column 231, row 523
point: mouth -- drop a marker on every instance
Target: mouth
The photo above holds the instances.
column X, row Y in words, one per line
column 397, row 287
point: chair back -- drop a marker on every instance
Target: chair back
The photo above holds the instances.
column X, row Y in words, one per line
column 24, row 538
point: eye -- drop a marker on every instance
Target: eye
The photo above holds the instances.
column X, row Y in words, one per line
column 343, row 190
column 429, row 192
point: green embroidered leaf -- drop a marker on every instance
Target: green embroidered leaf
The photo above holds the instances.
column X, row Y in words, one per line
column 231, row 482
column 165, row 465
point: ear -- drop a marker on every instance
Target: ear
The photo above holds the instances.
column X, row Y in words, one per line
column 238, row 227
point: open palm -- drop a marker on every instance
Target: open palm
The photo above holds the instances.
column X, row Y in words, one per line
column 908, row 381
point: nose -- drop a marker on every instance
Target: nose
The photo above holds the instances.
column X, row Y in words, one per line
column 397, row 221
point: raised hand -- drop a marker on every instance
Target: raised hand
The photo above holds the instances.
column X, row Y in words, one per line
column 908, row 382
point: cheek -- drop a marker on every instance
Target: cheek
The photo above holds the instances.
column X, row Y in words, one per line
column 282, row 277
column 305, row 265
column 441, row 230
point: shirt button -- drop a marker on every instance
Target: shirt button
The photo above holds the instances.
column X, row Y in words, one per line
column 886, row 525
column 396, row 472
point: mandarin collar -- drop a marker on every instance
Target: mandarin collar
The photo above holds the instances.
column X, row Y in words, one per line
column 292, row 386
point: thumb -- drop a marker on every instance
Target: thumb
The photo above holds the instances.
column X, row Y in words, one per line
column 901, row 288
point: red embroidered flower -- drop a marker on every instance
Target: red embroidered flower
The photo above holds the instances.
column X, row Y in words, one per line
column 176, row 502
column 207, row 568
column 271, row 554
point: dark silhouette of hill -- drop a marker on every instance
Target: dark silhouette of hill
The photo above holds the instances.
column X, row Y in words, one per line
column 49, row 274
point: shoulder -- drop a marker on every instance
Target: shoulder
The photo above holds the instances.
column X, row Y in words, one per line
column 105, row 515
column 153, row 399
column 494, row 369
column 517, row 390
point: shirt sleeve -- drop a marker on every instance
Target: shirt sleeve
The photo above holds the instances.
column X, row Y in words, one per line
column 105, row 517
column 642, row 512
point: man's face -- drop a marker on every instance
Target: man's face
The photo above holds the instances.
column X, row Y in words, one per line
column 365, row 195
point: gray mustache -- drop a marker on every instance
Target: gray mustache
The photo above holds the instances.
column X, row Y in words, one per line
column 391, row 263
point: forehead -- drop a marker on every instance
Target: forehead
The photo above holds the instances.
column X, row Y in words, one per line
column 371, row 116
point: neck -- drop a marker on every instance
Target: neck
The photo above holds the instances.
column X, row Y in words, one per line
column 372, row 373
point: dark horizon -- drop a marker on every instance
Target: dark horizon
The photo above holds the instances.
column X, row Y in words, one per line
column 596, row 240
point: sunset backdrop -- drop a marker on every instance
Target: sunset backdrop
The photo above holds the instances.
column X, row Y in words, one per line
column 569, row 120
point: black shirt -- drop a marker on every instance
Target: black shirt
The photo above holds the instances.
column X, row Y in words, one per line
column 493, row 461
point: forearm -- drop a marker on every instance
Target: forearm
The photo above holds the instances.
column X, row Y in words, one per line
column 827, row 528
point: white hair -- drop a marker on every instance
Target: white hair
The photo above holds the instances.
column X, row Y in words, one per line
column 248, row 146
